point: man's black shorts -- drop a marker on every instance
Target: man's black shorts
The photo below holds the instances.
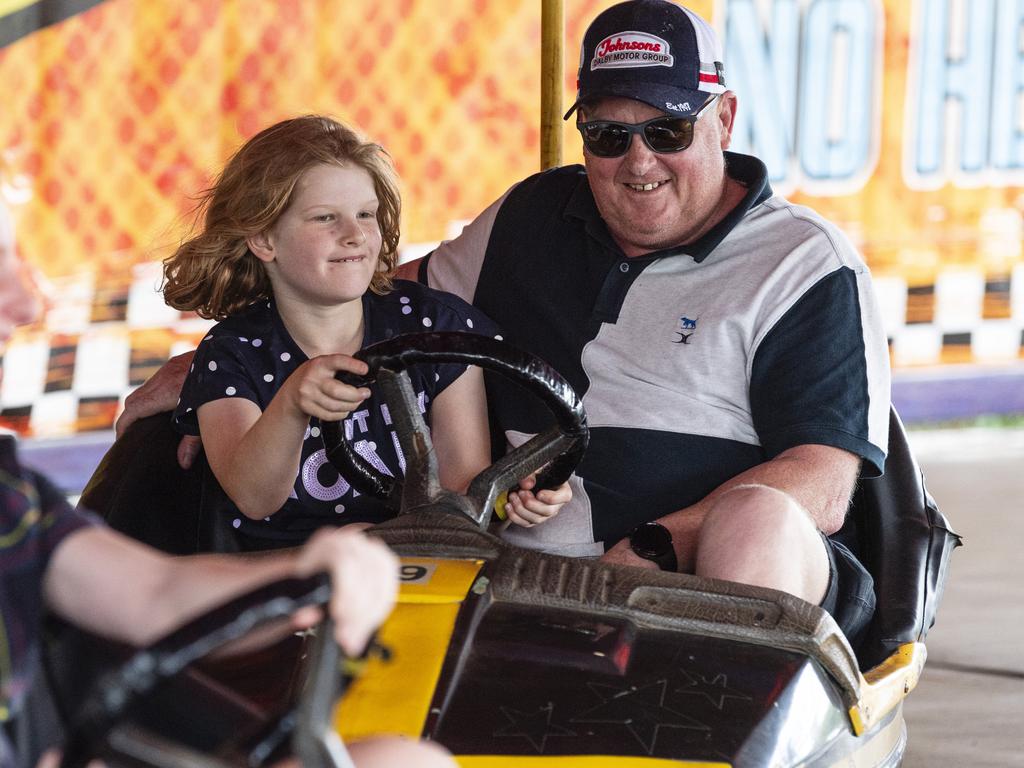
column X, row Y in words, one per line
column 850, row 596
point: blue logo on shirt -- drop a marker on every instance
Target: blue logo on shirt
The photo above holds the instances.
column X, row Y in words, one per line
column 685, row 324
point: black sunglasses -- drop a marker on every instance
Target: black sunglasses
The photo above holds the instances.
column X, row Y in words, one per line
column 607, row 138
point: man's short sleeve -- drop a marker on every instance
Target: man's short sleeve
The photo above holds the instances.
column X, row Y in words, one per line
column 454, row 266
column 820, row 375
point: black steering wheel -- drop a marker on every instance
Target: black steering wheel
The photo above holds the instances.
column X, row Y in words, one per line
column 101, row 727
column 554, row 454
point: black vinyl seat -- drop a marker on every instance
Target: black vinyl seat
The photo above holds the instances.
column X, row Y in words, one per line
column 904, row 540
column 894, row 525
column 140, row 490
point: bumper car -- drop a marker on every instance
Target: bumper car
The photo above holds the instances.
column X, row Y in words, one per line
column 513, row 657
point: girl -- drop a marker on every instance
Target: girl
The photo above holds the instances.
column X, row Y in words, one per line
column 301, row 222
column 63, row 559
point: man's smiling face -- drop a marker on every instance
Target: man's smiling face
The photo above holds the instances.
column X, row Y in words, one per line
column 652, row 200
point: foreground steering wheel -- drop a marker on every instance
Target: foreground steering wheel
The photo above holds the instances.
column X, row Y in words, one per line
column 554, row 454
column 100, row 730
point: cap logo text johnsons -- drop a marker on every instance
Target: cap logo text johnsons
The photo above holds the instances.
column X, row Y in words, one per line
column 631, row 49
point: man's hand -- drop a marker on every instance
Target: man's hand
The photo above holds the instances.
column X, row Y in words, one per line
column 410, row 270
column 623, row 554
column 157, row 394
column 364, row 583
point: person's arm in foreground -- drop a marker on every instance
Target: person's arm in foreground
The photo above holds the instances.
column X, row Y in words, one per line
column 120, row 589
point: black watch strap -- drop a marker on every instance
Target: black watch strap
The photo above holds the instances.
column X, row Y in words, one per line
column 653, row 541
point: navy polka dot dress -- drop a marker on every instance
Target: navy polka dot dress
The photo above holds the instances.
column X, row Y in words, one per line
column 250, row 354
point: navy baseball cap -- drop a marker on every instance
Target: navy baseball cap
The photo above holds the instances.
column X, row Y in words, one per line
column 653, row 51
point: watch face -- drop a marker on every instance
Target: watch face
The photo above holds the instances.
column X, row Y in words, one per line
column 650, row 540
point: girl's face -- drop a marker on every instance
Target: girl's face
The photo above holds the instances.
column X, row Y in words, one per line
column 324, row 248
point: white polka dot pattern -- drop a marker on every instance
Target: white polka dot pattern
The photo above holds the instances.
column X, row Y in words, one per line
column 252, row 359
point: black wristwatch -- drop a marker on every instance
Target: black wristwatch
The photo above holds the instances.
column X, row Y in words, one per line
column 652, row 541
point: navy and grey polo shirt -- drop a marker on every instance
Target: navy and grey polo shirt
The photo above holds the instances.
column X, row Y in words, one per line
column 694, row 363
column 251, row 354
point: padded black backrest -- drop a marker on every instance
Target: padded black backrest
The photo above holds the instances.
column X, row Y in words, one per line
column 140, row 490
column 903, row 539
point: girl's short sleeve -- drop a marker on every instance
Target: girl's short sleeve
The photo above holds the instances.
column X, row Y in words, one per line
column 222, row 367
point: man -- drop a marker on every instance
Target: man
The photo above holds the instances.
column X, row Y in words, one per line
column 66, row 560
column 726, row 343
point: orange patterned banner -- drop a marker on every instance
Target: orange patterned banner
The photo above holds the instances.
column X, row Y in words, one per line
column 118, row 115
column 871, row 112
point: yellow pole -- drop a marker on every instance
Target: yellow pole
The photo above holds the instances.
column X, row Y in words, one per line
column 552, row 32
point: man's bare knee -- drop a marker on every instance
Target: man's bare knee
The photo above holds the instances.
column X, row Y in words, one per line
column 759, row 535
column 751, row 505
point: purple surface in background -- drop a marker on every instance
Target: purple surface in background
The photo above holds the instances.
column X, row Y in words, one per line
column 958, row 393
column 939, row 394
column 67, row 461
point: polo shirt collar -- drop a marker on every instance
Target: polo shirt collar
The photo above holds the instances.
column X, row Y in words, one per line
column 746, row 169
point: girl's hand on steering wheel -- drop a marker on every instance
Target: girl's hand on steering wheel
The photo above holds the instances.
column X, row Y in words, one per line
column 526, row 508
column 313, row 390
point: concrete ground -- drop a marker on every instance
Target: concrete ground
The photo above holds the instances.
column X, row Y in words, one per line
column 968, row 709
